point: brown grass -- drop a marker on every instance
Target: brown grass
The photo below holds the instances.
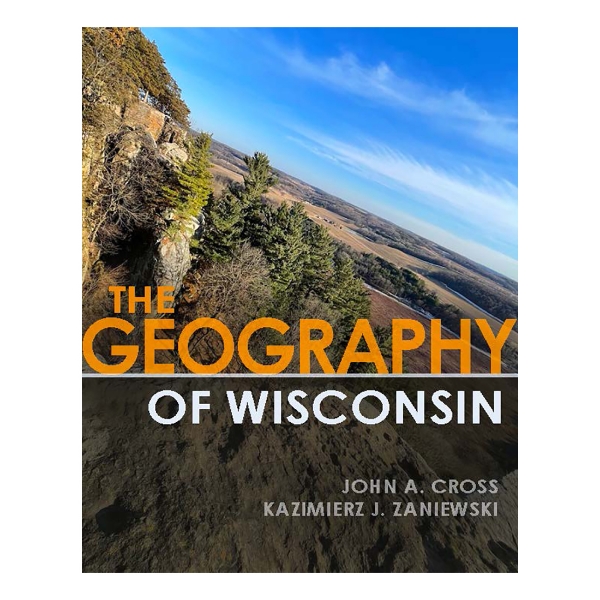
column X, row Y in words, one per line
column 384, row 309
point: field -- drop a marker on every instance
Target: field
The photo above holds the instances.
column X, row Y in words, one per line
column 368, row 233
column 384, row 308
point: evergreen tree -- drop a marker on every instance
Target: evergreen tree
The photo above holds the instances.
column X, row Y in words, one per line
column 257, row 182
column 285, row 249
column 190, row 191
column 222, row 227
column 318, row 266
column 120, row 66
column 259, row 178
column 347, row 294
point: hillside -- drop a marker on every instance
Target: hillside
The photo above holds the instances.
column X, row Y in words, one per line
column 162, row 206
column 477, row 291
column 368, row 232
column 189, row 498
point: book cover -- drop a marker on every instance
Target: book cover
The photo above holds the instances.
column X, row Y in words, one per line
column 299, row 266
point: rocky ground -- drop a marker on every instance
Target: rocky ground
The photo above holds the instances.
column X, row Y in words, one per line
column 187, row 498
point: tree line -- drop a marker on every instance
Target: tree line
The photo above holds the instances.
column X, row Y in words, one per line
column 305, row 275
column 406, row 284
column 499, row 306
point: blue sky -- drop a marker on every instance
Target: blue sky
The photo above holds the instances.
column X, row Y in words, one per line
column 416, row 125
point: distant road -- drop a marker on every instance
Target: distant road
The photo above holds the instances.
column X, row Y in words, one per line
column 485, row 312
column 422, row 314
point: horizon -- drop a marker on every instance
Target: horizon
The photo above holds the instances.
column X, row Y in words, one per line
column 417, row 126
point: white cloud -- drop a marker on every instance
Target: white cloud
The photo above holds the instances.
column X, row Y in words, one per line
column 476, row 199
column 486, row 204
column 453, row 108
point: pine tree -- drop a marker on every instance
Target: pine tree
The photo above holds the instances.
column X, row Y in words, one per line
column 120, row 66
column 190, row 191
column 257, row 182
column 285, row 249
column 347, row 294
column 259, row 178
column 318, row 266
column 146, row 68
column 222, row 227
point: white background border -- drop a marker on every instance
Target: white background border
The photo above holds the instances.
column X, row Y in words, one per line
column 558, row 191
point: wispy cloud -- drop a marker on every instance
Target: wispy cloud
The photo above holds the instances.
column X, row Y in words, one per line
column 486, row 204
column 379, row 83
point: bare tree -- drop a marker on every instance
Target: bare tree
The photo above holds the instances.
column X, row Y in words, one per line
column 128, row 196
column 235, row 292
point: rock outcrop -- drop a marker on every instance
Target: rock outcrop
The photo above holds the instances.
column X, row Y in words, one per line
column 173, row 257
column 174, row 153
column 161, row 258
column 125, row 145
column 172, row 133
column 144, row 115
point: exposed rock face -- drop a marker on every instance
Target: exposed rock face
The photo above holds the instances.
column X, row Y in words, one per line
column 166, row 260
column 172, row 134
column 126, row 144
column 173, row 255
column 142, row 114
column 174, row 153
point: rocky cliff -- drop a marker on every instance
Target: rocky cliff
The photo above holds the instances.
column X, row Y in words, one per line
column 125, row 155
